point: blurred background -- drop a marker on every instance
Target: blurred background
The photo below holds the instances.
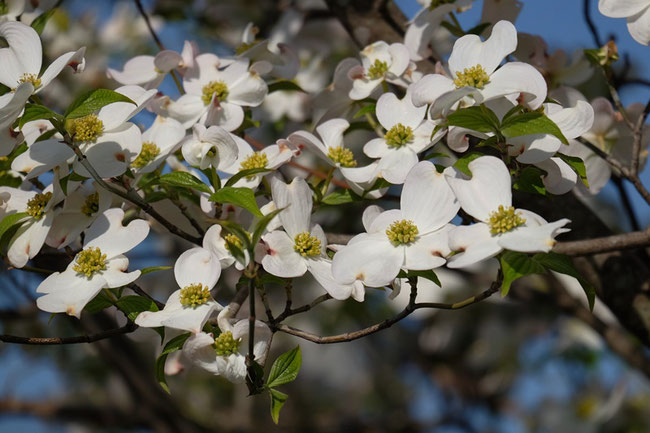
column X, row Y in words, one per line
column 536, row 361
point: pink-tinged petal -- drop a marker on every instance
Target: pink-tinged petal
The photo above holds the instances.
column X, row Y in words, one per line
column 391, row 111
column 41, row 157
column 373, row 260
column 396, row 164
column 458, row 140
column 12, row 104
column 114, row 239
column 224, row 114
column 517, row 78
column 197, row 266
column 68, row 293
column 167, row 60
column 486, row 190
column 475, row 243
column 428, row 251
column 321, row 269
column 639, row 26
column 304, row 139
column 470, row 51
column 427, row 199
column 429, row 88
column 74, row 59
column 281, row 258
column 560, row 178
column 296, row 200
column 621, row 8
column 115, row 114
column 24, row 54
column 529, row 239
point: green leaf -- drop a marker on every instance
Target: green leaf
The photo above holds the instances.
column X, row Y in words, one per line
column 577, row 164
column 278, row 399
column 531, row 123
column 340, row 197
column 39, row 22
column 134, row 305
column 11, row 220
column 480, row 119
column 150, row 269
column 99, row 302
column 242, row 197
column 463, row 162
column 284, row 85
column 429, row 275
column 36, row 112
column 477, row 30
column 244, row 173
column 91, row 101
column 454, row 30
column 366, row 109
column 184, row 180
column 530, row 180
column 213, row 177
column 172, row 345
column 563, row 264
column 285, row 368
column 262, row 224
column 255, row 378
column 515, row 265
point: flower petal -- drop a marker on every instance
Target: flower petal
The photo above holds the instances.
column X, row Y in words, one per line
column 281, row 259
column 517, row 78
column 428, row 251
column 373, row 260
column 392, row 111
column 321, row 269
column 396, row 164
column 24, row 54
column 296, row 200
column 475, row 242
column 470, row 51
column 73, row 59
column 108, row 234
column 197, row 265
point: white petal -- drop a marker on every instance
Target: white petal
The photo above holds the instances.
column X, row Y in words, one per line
column 475, row 243
column 199, row 349
column 560, row 178
column 427, row 199
column 108, row 234
column 428, row 251
column 249, row 90
column 396, row 164
column 115, row 273
column 228, row 116
column 517, row 78
column 281, row 259
column 115, row 114
column 531, row 149
column 621, row 8
column 529, row 239
column 400, row 59
column 68, row 293
column 197, row 265
column 72, row 59
column 332, row 132
column 470, row 51
column 321, row 269
column 187, row 109
column 12, row 104
column 167, row 60
column 361, row 175
column 296, row 200
column 23, row 56
column 112, row 153
column 369, row 215
column 302, row 139
column 485, row 191
column 429, row 88
column 373, row 260
column 391, row 111
column 41, row 157
column 639, row 26
column 574, row 121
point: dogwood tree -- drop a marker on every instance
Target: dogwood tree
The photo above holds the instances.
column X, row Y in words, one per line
column 285, row 168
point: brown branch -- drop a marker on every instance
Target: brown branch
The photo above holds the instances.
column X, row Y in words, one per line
column 302, row 309
column 410, row 308
column 91, row 338
column 638, row 136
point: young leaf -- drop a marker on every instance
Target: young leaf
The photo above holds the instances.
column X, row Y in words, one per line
column 366, row 109
column 429, row 275
column 39, row 22
column 242, row 197
column 135, row 304
column 474, row 118
column 284, row 85
column 36, row 112
column 99, row 302
column 91, row 101
column 516, row 265
column 463, row 162
column 278, row 399
column 530, row 180
column 531, row 123
column 183, row 179
column 340, row 197
column 563, row 264
column 285, row 368
column 244, row 173
column 172, row 345
column 150, row 269
column 262, row 224
column 11, row 220
column 577, row 164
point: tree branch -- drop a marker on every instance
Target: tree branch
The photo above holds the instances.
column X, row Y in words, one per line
column 49, row 341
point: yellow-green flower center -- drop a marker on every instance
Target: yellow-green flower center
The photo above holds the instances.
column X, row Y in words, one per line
column 194, row 295
column 148, row 153
column 255, row 160
column 36, row 205
column 234, row 240
column 86, row 128
column 91, row 205
column 435, row 3
column 90, row 261
column 342, row 156
column 243, row 47
column 398, row 135
column 218, row 88
column 504, row 219
column 306, row 245
column 377, row 70
column 472, row 77
column 402, row 232
column 225, row 344
column 30, row 78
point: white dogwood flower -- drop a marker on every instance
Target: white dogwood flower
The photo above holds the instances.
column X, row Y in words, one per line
column 475, row 73
column 487, row 196
column 301, row 247
column 379, row 62
column 161, row 139
column 413, row 237
column 196, row 271
column 210, row 147
column 11, row 107
column 215, row 242
column 21, row 61
column 637, row 13
column 100, row 265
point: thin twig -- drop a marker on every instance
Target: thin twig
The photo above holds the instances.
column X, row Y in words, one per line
column 592, row 28
column 126, row 329
column 638, row 138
